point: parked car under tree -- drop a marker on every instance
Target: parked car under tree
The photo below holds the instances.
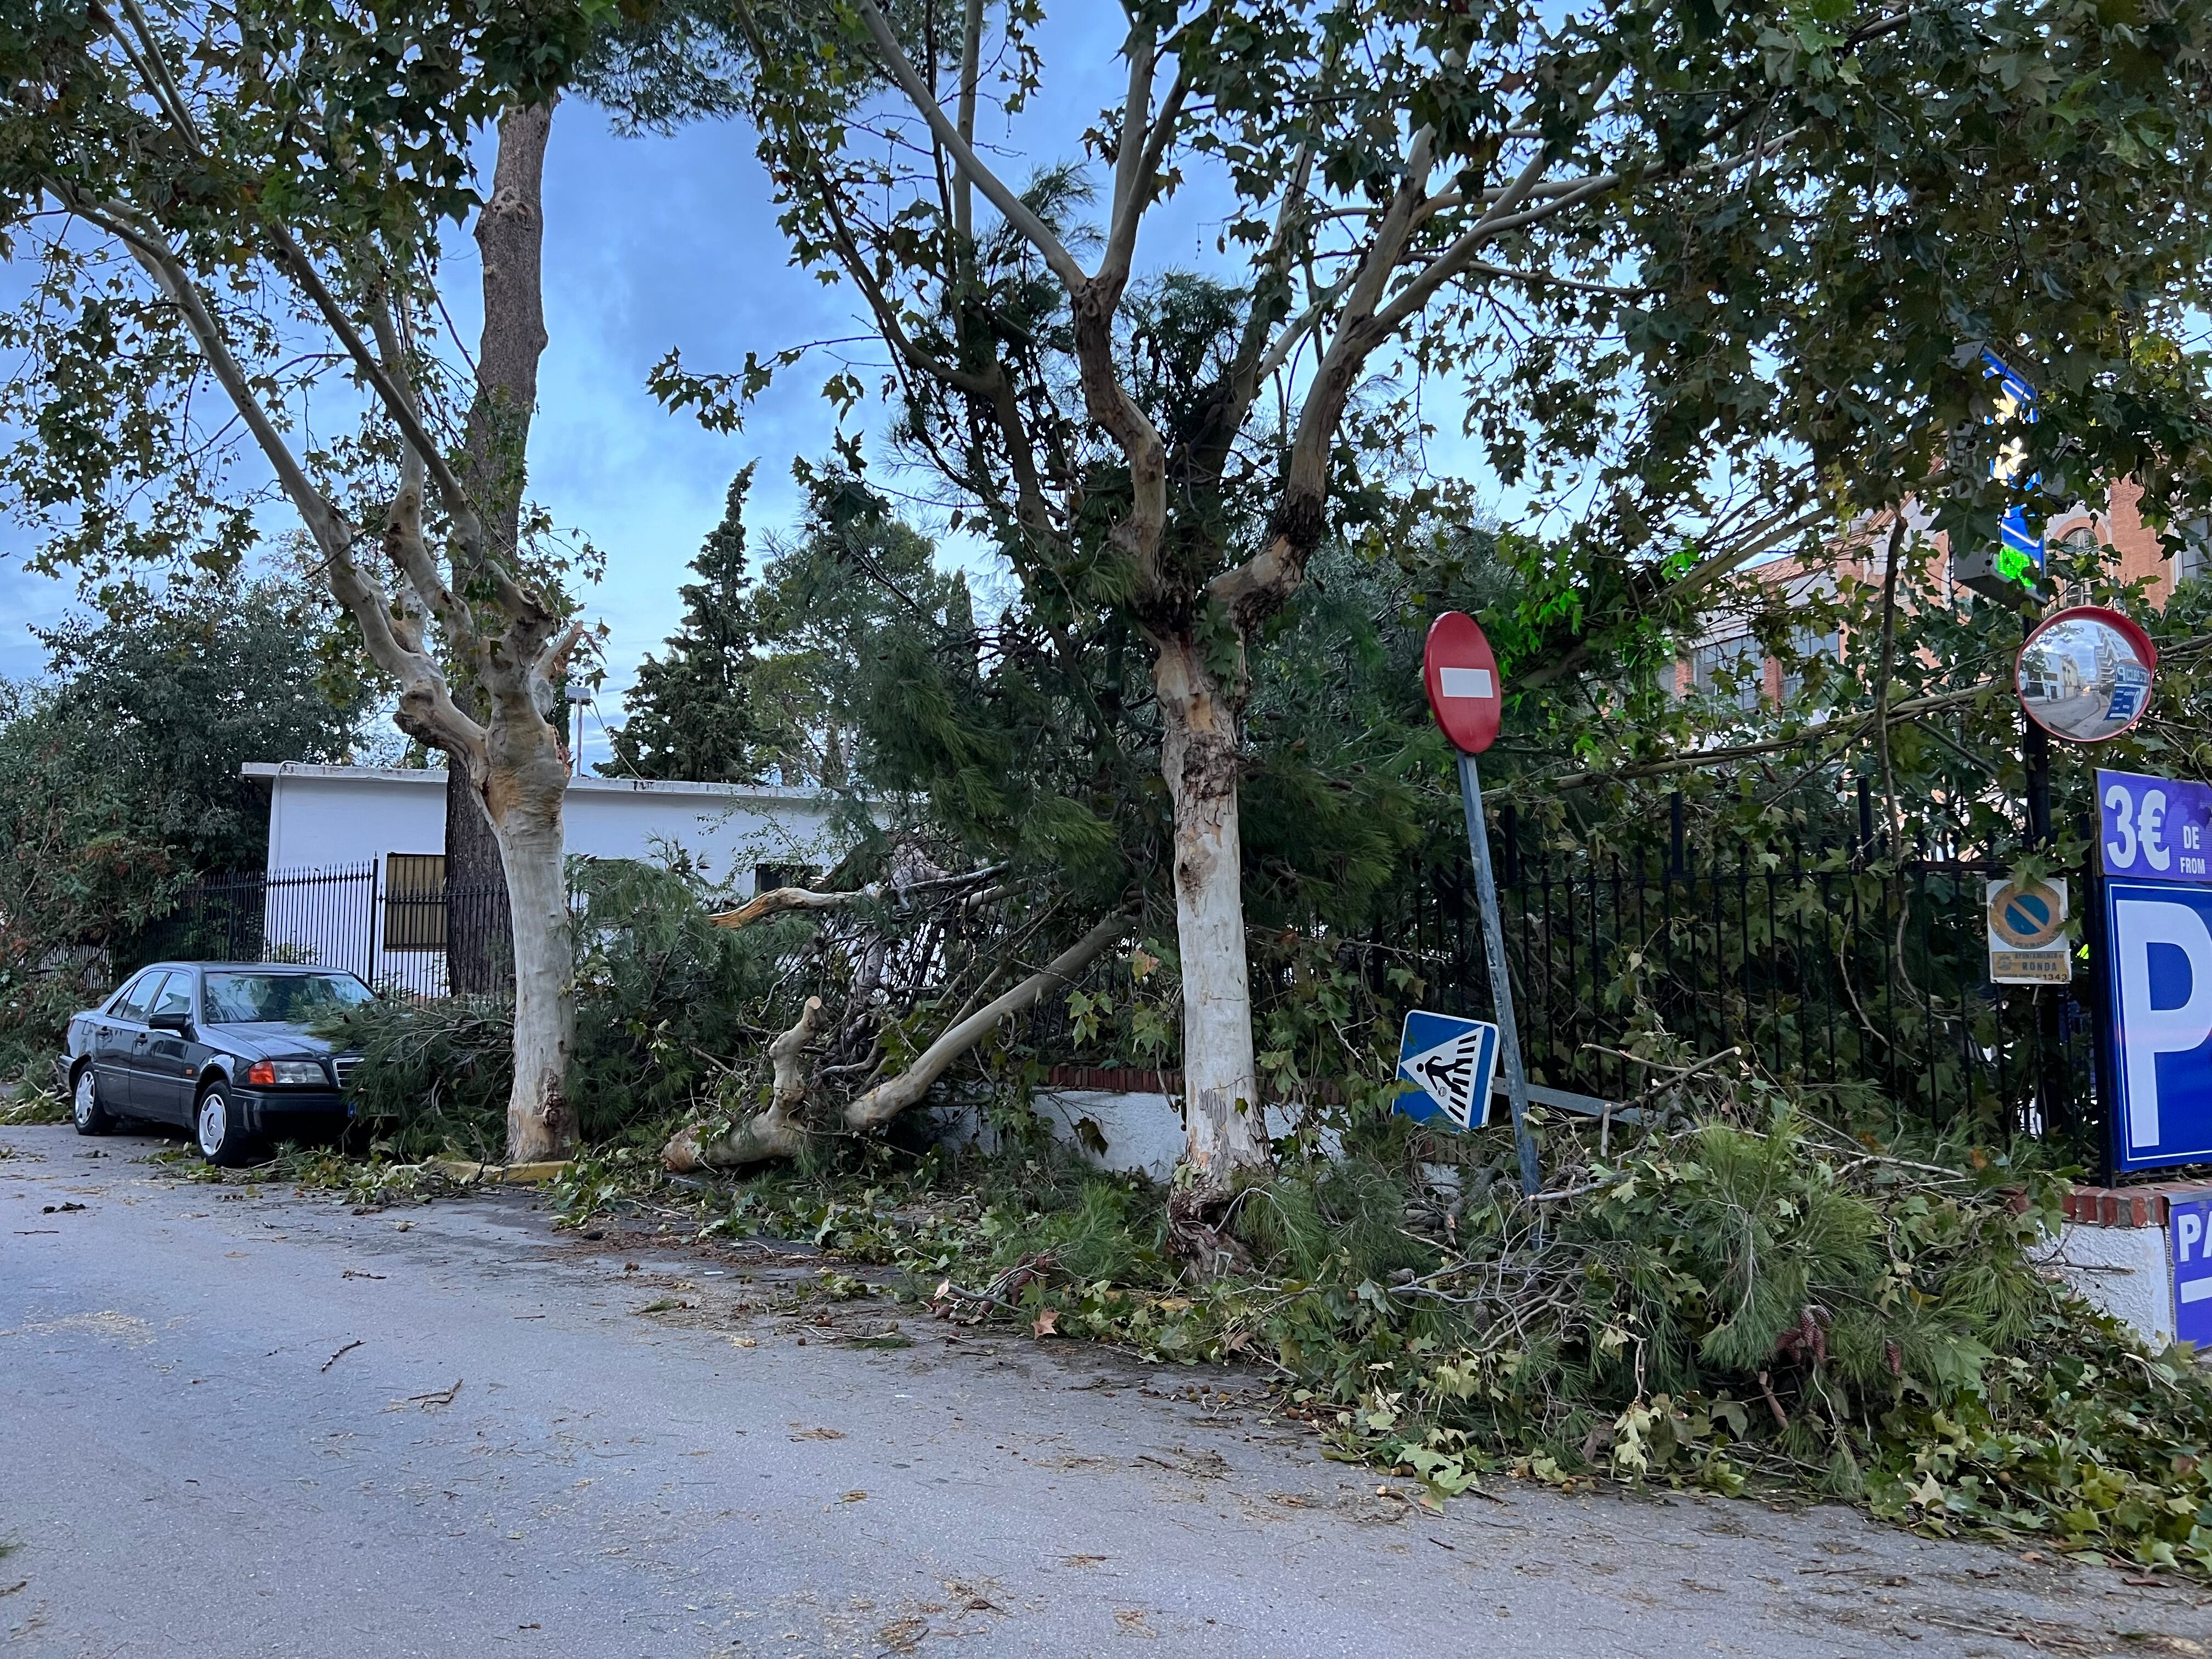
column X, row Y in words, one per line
column 225, row 1048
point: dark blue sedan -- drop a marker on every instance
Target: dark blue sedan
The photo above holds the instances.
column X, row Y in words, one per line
column 221, row 1047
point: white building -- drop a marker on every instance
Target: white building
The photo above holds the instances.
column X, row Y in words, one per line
column 356, row 854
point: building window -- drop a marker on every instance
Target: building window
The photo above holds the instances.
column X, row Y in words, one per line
column 415, row 902
column 1806, row 644
column 1732, row 671
column 2077, row 551
column 2196, row 559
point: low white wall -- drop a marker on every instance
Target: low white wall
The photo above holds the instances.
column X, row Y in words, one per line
column 2122, row 1270
column 1141, row 1133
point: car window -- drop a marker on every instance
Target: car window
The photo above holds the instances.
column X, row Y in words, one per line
column 175, row 997
column 280, row 999
column 131, row 1005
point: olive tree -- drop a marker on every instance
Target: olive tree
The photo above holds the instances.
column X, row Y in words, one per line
column 235, row 207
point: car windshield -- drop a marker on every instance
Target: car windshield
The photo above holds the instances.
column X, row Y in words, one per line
column 280, row 999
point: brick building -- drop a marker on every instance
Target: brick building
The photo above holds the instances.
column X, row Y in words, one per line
column 1728, row 662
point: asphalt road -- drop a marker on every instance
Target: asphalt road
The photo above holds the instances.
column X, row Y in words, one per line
column 235, row 1421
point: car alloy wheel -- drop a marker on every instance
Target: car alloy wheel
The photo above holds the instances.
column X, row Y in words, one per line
column 216, row 1128
column 90, row 1117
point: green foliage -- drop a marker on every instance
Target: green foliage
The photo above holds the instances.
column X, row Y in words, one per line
column 34, row 1103
column 661, row 996
column 665, row 999
column 1723, row 1306
column 434, row 1074
column 119, row 775
column 178, row 691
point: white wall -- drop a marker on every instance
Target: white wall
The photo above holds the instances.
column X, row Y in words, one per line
column 348, row 819
column 323, row 817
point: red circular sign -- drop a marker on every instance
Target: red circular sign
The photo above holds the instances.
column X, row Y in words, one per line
column 1465, row 693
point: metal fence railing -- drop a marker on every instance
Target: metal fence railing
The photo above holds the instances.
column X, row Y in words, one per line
column 427, row 938
column 1830, row 968
column 1855, row 978
column 1849, row 976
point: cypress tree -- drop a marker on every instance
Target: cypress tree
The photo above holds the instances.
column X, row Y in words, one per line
column 691, row 714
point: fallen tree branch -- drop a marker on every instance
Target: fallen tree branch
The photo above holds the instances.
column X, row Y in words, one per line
column 779, row 899
column 774, row 1132
column 880, row 1104
column 1845, row 730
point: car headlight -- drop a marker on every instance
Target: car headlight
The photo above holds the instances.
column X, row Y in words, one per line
column 281, row 1072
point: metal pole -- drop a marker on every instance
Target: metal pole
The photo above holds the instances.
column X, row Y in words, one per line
column 1501, row 986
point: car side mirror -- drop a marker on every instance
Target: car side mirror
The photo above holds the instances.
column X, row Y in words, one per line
column 169, row 1022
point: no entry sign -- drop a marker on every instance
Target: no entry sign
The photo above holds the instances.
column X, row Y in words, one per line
column 1461, row 677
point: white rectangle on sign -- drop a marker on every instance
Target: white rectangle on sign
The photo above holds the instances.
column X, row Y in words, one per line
column 1468, row 682
column 2195, row 1290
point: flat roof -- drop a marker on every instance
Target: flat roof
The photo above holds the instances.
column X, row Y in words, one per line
column 421, row 776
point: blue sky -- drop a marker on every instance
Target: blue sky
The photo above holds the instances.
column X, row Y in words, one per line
column 654, row 242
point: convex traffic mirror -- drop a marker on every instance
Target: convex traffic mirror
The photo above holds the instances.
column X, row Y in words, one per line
column 2085, row 674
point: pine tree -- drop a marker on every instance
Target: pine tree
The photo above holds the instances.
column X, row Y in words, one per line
column 691, row 714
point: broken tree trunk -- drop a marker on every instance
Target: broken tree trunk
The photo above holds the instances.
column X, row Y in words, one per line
column 887, row 1100
column 776, row 1133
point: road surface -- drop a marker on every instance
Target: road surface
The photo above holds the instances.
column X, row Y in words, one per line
column 239, row 1422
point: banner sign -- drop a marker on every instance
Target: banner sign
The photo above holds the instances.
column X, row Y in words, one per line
column 2158, row 985
column 2155, row 828
column 2027, row 932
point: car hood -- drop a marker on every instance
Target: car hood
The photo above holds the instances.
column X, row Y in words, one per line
column 264, row 1040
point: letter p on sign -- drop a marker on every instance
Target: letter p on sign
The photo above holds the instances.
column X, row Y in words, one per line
column 2160, row 982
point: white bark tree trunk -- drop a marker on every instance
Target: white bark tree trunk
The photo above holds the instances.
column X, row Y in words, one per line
column 1224, row 1132
column 526, row 780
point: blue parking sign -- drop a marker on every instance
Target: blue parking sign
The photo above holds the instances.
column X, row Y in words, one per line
column 2189, row 1238
column 2158, row 978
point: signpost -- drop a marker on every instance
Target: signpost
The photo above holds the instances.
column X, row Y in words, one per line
column 2154, row 844
column 2009, row 571
column 1467, row 698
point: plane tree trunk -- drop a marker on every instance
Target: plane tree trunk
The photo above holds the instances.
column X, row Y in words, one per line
column 481, row 951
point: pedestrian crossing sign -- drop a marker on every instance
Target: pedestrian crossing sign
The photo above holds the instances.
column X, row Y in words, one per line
column 1448, row 1064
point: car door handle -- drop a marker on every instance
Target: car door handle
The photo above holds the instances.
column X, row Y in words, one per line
column 139, row 1041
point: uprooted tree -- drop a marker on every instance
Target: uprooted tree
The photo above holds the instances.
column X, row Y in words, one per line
column 236, row 211
column 1707, row 280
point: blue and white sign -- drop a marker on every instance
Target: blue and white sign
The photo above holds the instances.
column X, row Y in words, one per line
column 2189, row 1238
column 1449, row 1062
column 2155, row 828
column 2158, row 978
column 2023, row 547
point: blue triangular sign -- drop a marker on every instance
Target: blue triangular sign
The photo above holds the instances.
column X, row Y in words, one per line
column 1448, row 1062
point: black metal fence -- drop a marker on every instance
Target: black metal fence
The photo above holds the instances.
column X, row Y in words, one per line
column 397, row 933
column 1829, row 967
column 1854, row 979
